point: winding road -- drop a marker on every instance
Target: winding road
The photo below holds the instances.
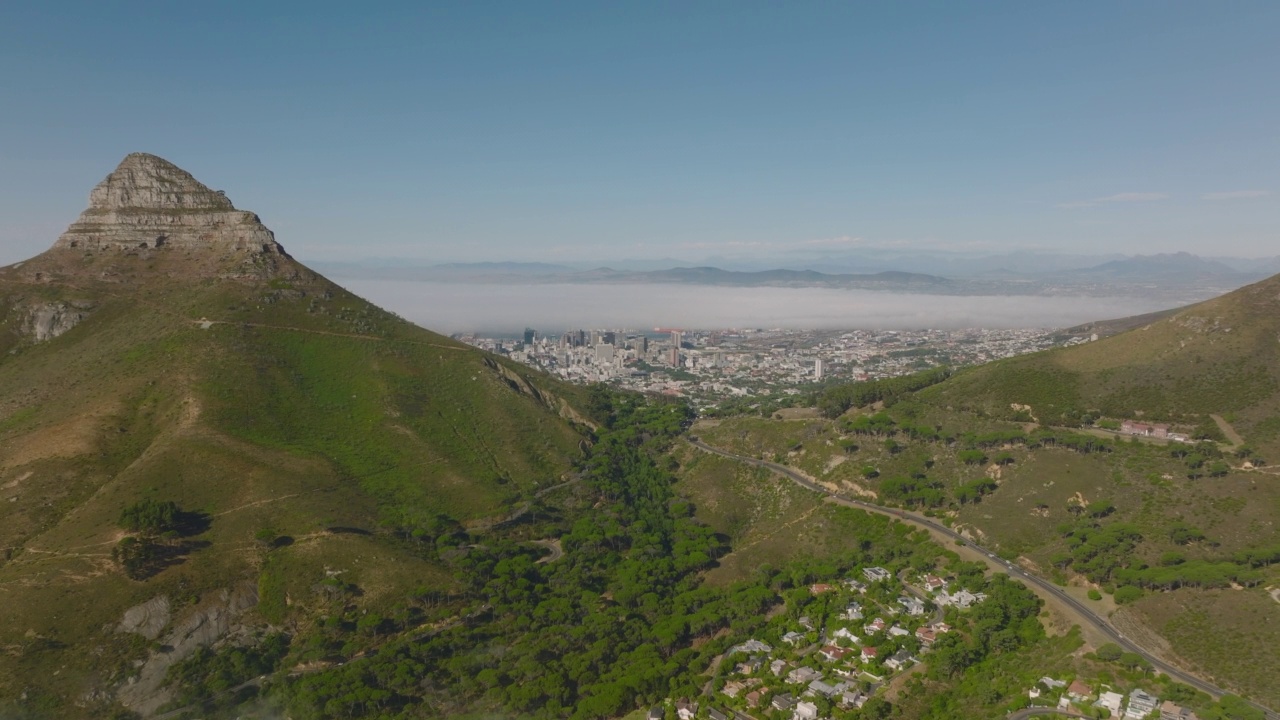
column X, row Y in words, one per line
column 1083, row 613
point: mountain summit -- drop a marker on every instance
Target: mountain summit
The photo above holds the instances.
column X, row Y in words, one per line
column 166, row 349
column 148, row 202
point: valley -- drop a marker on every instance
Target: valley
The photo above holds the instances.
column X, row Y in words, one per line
column 231, row 488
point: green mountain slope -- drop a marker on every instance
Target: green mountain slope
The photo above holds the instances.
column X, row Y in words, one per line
column 1221, row 356
column 272, row 406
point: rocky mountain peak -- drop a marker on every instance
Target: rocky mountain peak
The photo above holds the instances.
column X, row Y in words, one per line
column 147, row 182
column 149, row 204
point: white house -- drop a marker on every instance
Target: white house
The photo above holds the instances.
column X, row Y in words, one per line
column 1111, row 701
column 875, row 574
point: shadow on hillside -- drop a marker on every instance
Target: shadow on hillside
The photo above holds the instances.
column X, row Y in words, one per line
column 149, row 557
column 339, row 530
column 145, row 556
column 192, row 523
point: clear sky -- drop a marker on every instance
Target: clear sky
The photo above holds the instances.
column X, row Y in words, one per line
column 560, row 131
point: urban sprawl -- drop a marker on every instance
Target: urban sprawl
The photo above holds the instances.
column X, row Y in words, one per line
column 711, row 366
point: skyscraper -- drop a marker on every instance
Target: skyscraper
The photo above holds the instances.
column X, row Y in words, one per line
column 817, row 369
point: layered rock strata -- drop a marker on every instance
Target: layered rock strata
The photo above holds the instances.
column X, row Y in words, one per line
column 150, row 203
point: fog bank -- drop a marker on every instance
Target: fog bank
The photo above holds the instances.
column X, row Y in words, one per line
column 449, row 308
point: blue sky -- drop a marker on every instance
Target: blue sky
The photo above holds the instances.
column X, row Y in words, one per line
column 563, row 131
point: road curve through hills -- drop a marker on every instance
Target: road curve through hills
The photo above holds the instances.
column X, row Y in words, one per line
column 1083, row 613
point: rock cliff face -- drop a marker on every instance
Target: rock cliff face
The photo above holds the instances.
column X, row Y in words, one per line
column 45, row 321
column 212, row 621
column 150, row 203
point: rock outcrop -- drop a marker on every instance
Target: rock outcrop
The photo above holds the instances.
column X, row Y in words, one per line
column 150, row 203
column 48, row 320
column 148, row 619
column 209, row 623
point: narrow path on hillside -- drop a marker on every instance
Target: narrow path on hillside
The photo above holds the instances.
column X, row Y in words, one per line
column 1230, row 432
column 1044, row 588
column 205, row 323
column 767, row 536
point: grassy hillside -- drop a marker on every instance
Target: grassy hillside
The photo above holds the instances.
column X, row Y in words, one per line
column 1221, row 356
column 1098, row 514
column 284, row 416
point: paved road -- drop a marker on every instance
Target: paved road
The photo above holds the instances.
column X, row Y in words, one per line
column 1084, row 613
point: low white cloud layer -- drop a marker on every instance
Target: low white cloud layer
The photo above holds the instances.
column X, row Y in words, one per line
column 450, row 308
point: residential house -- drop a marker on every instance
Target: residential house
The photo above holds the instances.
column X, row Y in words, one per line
column 803, row 675
column 806, row 622
column 962, row 599
column 1112, row 701
column 913, row 605
column 685, row 710
column 852, row 699
column 1132, row 427
column 805, row 710
column 750, row 646
column 853, row 611
column 1169, row 710
column 844, row 634
column 783, row 702
column 777, row 666
column 898, row 631
column 942, row 628
column 855, row 585
column 875, row 574
column 751, row 665
column 715, row 714
column 875, row 626
column 793, row 638
column 899, row 660
column 655, row 713
column 1079, row 692
column 753, row 697
column 834, row 653
column 1141, row 704
column 933, row 583
column 926, row 636
column 733, row 688
column 869, row 654
column 826, row 690
column 819, row 588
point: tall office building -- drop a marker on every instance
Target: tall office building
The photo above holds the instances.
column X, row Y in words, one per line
column 817, row 369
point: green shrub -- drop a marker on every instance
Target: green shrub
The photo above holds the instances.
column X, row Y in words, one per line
column 150, row 517
column 1127, row 594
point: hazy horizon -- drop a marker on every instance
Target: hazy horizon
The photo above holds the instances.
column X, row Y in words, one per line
column 450, row 308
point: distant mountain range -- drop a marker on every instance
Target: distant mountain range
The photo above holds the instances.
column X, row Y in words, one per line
column 1176, row 266
column 1182, row 277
